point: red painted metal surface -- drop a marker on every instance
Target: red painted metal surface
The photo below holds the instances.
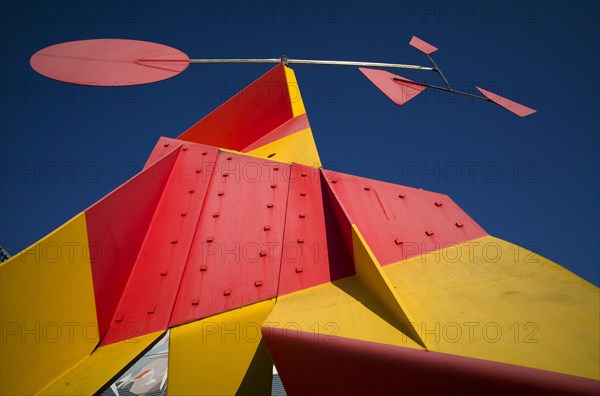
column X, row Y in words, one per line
column 109, row 62
column 400, row 222
column 116, row 226
column 147, row 302
column 331, row 365
column 399, row 89
column 514, row 107
column 294, row 125
column 307, row 260
column 251, row 114
column 236, row 253
column 422, row 46
column 163, row 147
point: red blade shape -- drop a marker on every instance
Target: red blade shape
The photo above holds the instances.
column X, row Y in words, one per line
column 514, row 107
column 399, row 89
column 422, row 46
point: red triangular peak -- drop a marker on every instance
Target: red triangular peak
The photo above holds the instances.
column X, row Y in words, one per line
column 248, row 116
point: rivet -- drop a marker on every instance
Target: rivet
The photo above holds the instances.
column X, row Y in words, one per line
column 367, row 188
column 458, row 224
column 262, row 253
column 225, row 174
column 166, row 144
column 257, row 283
column 269, row 205
column 151, row 310
column 303, row 174
column 401, row 196
column 203, row 267
column 164, row 272
column 204, row 153
column 334, row 181
column 302, row 193
column 229, row 158
column 276, row 167
column 184, row 148
column 398, row 241
column 209, row 239
column 438, row 203
column 226, row 292
column 198, row 170
column 273, row 185
column 173, row 242
column 191, row 190
column 299, row 269
column 300, row 240
column 266, row 228
column 429, row 233
column 302, row 215
column 183, row 214
column 119, row 319
column 216, row 214
column 195, row 301
column 220, row 193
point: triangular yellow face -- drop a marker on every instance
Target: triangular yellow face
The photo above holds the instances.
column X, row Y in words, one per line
column 298, row 147
column 294, row 92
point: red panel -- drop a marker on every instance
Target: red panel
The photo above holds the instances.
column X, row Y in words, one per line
column 248, row 116
column 330, row 365
column 422, row 46
column 294, row 125
column 307, row 259
column 163, row 147
column 149, row 296
column 109, row 62
column 116, row 226
column 401, row 222
column 243, row 218
column 399, row 89
column 514, row 107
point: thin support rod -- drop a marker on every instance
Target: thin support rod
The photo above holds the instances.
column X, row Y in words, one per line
column 296, row 61
column 439, row 71
column 444, row 89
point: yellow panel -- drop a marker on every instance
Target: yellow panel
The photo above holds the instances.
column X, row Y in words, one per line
column 343, row 309
column 295, row 95
column 371, row 275
column 298, row 147
column 48, row 314
column 93, row 372
column 493, row 300
column 221, row 355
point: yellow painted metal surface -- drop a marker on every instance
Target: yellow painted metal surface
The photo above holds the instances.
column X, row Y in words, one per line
column 294, row 91
column 298, row 147
column 344, row 308
column 493, row 300
column 376, row 281
column 48, row 313
column 93, row 372
column 221, row 355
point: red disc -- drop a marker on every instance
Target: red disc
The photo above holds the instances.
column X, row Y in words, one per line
column 109, row 62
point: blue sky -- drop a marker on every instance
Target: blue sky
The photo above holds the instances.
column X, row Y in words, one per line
column 531, row 181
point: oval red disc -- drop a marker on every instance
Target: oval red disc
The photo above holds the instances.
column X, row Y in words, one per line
column 109, row 62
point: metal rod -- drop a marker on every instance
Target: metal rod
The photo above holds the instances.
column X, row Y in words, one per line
column 309, row 62
column 444, row 89
column 438, row 70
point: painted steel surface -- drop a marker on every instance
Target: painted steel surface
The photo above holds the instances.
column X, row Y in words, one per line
column 236, row 252
column 47, row 310
column 116, row 227
column 91, row 374
column 109, row 62
column 299, row 147
column 399, row 89
column 513, row 107
column 309, row 365
column 400, row 222
column 422, row 46
column 221, row 355
column 292, row 126
column 147, row 301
